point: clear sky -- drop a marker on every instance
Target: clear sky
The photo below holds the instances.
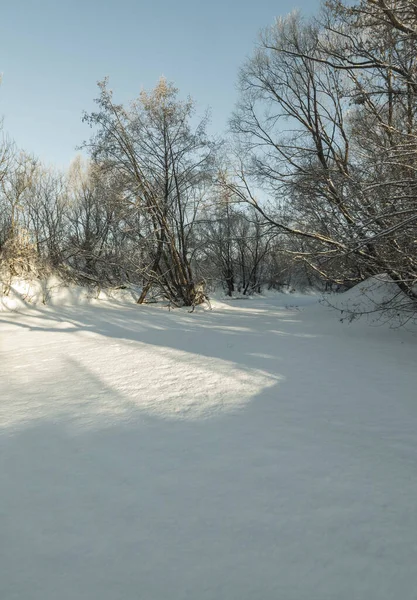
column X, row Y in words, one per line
column 52, row 53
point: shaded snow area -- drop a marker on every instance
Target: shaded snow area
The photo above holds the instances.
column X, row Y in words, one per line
column 258, row 451
column 377, row 300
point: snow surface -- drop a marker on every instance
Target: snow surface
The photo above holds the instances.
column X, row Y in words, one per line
column 262, row 450
column 52, row 291
column 376, row 300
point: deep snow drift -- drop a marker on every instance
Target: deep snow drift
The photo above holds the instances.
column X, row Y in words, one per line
column 262, row 450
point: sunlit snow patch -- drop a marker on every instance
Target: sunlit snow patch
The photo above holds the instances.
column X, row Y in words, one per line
column 89, row 381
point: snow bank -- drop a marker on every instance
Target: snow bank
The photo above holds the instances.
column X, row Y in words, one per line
column 52, row 291
column 377, row 298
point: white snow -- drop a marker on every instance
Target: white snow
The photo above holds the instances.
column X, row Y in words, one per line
column 377, row 300
column 18, row 294
column 256, row 451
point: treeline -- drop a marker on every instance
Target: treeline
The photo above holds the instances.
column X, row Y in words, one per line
column 146, row 209
column 315, row 185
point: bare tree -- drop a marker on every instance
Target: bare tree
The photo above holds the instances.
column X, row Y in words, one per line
column 17, row 251
column 325, row 150
column 165, row 166
column 235, row 244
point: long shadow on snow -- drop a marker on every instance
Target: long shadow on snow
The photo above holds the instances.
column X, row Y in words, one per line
column 226, row 334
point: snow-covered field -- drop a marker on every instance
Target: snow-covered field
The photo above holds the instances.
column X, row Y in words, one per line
column 259, row 451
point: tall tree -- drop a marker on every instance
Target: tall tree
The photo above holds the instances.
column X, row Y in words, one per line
column 331, row 134
column 165, row 165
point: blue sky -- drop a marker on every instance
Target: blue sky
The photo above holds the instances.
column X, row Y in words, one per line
column 52, row 53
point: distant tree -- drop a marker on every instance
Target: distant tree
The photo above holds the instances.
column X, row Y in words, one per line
column 235, row 246
column 7, row 152
column 17, row 252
